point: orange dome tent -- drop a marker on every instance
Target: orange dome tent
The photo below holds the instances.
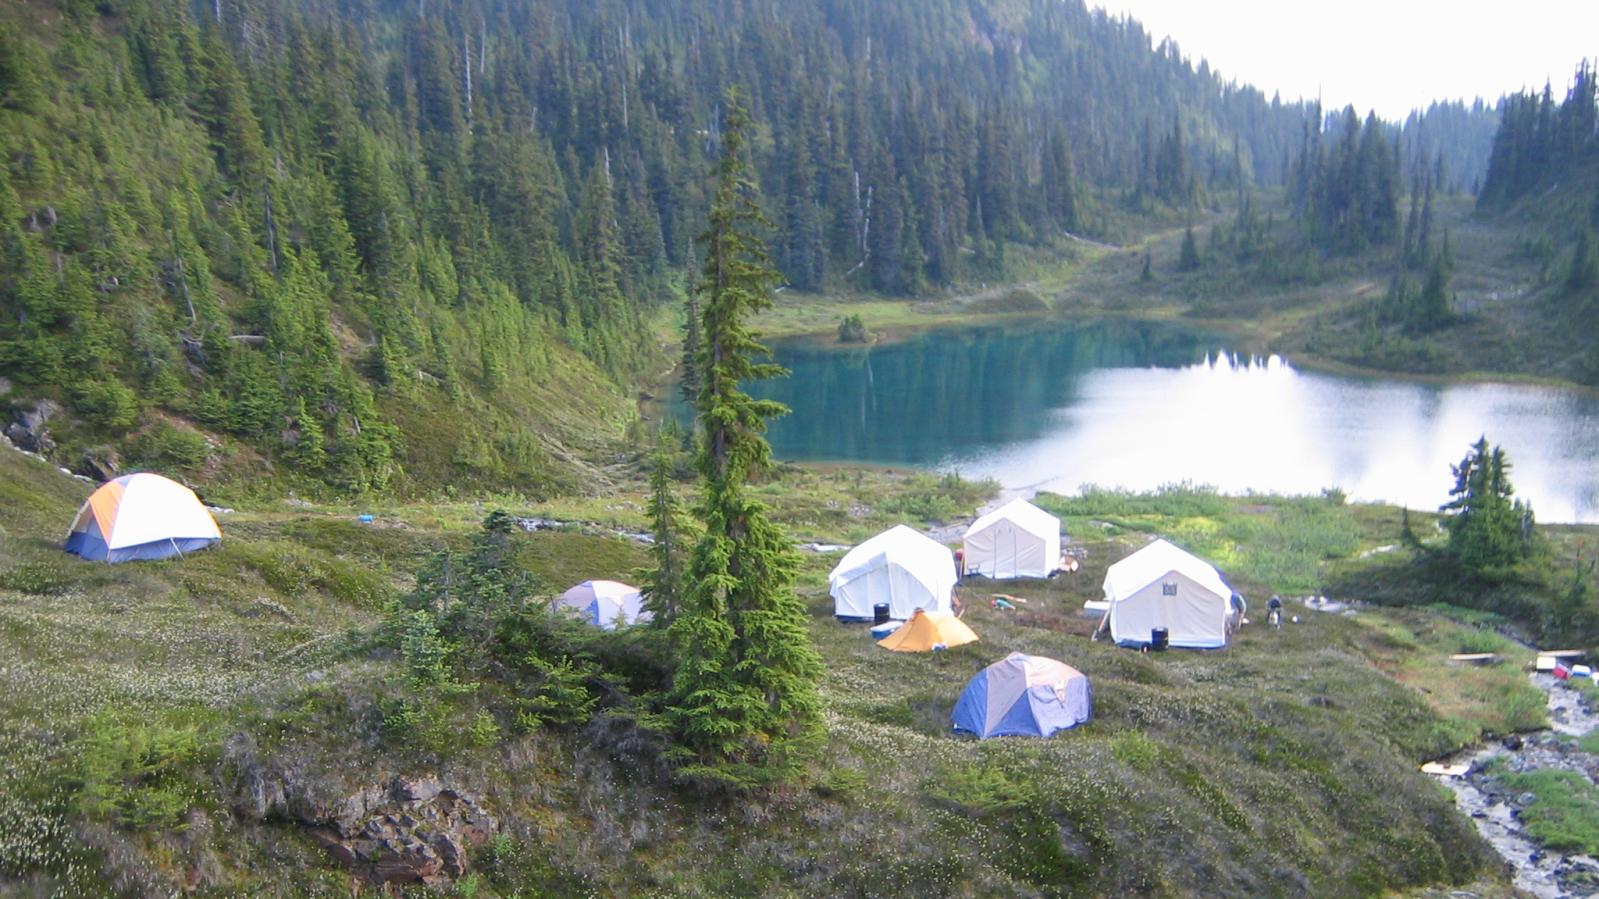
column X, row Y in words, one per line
column 927, row 631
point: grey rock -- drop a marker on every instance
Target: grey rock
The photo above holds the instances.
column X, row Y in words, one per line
column 343, row 853
column 101, row 464
column 416, row 789
column 451, row 853
column 411, row 829
column 29, row 431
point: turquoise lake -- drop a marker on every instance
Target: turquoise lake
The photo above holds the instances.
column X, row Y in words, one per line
column 1137, row 405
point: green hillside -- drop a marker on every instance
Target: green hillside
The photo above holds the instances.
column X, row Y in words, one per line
column 389, row 278
column 344, row 247
column 147, row 706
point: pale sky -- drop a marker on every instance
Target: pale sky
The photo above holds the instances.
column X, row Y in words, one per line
column 1387, row 55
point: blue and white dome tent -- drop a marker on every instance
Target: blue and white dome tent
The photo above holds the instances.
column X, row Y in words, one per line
column 605, row 604
column 1023, row 696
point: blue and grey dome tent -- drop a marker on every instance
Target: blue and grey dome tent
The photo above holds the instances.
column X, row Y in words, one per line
column 1023, row 696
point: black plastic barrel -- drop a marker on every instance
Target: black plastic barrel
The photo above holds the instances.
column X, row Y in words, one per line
column 1159, row 638
column 880, row 613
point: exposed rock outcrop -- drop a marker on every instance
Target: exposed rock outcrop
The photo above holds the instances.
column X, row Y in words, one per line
column 29, row 432
column 421, row 831
column 407, row 829
column 102, row 463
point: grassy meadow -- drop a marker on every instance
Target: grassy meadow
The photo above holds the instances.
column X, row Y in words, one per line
column 136, row 698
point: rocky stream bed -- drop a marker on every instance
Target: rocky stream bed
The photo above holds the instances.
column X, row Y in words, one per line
column 1497, row 810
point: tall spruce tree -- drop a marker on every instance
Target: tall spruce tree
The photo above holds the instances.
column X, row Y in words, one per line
column 1188, row 260
column 663, row 582
column 689, row 385
column 743, row 701
column 1488, row 532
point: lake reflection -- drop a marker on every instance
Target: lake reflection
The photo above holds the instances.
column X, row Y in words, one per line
column 1139, row 405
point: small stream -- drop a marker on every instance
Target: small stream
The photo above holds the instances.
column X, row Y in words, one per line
column 1497, row 810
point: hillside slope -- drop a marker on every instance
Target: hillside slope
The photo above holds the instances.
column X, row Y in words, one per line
column 197, row 724
column 349, row 246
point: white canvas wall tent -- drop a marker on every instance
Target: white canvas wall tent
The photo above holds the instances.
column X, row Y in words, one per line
column 1161, row 586
column 1016, row 540
column 900, row 567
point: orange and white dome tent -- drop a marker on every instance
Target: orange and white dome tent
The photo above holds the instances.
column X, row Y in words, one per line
column 141, row 516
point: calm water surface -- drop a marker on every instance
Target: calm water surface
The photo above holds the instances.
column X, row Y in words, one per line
column 1136, row 405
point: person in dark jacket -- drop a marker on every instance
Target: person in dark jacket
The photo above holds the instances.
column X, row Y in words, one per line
column 1274, row 611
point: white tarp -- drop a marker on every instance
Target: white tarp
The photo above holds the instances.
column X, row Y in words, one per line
column 901, row 567
column 1163, row 586
column 1016, row 540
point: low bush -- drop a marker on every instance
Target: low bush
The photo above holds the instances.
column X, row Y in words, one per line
column 137, row 773
column 851, row 329
column 167, row 448
column 293, row 571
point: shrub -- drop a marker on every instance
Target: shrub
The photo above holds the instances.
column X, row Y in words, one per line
column 109, row 404
column 1135, row 749
column 1480, row 641
column 293, row 571
column 556, row 693
column 421, row 722
column 1525, row 710
column 926, row 498
column 853, row 330
column 132, row 774
column 168, row 448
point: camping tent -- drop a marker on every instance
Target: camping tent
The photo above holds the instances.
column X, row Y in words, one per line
column 140, row 516
column 1162, row 586
column 1016, row 540
column 927, row 631
column 899, row 567
column 605, row 603
column 1022, row 695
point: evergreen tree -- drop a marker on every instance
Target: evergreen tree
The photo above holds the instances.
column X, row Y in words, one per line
column 1583, row 275
column 689, row 384
column 1188, row 260
column 1433, row 305
column 1488, row 532
column 468, row 594
column 1060, row 191
column 664, row 581
column 743, row 700
column 1174, row 183
column 309, row 449
column 19, row 83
